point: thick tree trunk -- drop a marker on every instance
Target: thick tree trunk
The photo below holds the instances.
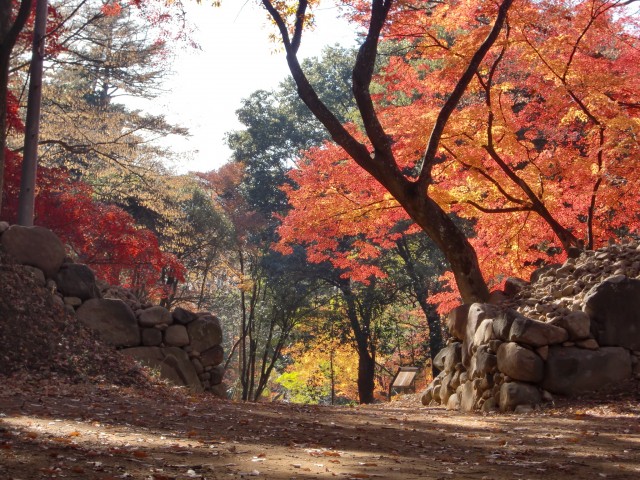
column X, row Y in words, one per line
column 449, row 238
column 361, row 331
column 366, row 377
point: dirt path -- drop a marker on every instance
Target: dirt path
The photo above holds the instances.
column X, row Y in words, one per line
column 107, row 432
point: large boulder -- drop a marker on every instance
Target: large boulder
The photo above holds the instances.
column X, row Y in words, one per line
column 204, row 333
column 577, row 324
column 457, row 321
column 571, row 370
column 183, row 316
column 153, row 316
column 478, row 312
column 448, row 357
column 502, row 324
column 467, row 397
column 77, row 280
column 520, row 363
column 176, row 336
column 482, row 362
column 113, row 320
column 614, row 309
column 212, row 356
column 535, row 333
column 172, row 364
column 217, row 374
column 35, row 246
column 513, row 394
column 179, row 361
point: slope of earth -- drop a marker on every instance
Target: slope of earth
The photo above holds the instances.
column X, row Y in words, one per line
column 38, row 339
column 104, row 432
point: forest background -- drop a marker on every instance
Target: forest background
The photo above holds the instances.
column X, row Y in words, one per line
column 493, row 139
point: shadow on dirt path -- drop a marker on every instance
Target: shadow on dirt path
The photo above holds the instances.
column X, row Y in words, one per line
column 94, row 432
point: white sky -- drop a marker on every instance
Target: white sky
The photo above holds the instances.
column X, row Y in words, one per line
column 236, row 59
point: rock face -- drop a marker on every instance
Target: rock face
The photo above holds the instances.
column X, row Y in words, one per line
column 575, row 370
column 172, row 364
column 520, row 363
column 575, row 328
column 184, row 347
column 35, row 246
column 112, row 319
column 204, row 333
column 614, row 309
column 77, row 280
column 154, row 316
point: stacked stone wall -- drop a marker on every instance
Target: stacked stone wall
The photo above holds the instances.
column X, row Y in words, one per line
column 573, row 329
column 183, row 347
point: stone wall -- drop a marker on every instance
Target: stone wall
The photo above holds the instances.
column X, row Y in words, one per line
column 574, row 329
column 182, row 346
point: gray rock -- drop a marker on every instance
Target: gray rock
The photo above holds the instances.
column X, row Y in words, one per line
column 183, row 367
column 454, row 402
column 212, row 356
column 588, row 343
column 543, row 352
column 614, row 309
column 483, row 362
column 448, row 357
column 426, row 396
column 490, row 405
column 520, row 363
column 467, row 397
column 537, row 274
column 153, row 316
column 183, row 316
column 513, row 394
column 151, row 337
column 217, row 374
column 522, row 408
column 219, row 390
column 484, row 333
column 113, row 320
column 77, row 280
column 35, row 246
column 502, row 324
column 171, row 363
column 457, row 321
column 534, row 333
column 197, row 364
column 4, row 226
column 72, row 301
column 176, row 336
column 204, row 333
column 577, row 324
column 446, row 388
column 571, row 370
column 477, row 313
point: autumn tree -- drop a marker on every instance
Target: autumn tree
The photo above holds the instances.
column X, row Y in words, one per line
column 279, row 127
column 136, row 258
column 487, row 108
column 523, row 156
column 376, row 153
column 109, row 57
